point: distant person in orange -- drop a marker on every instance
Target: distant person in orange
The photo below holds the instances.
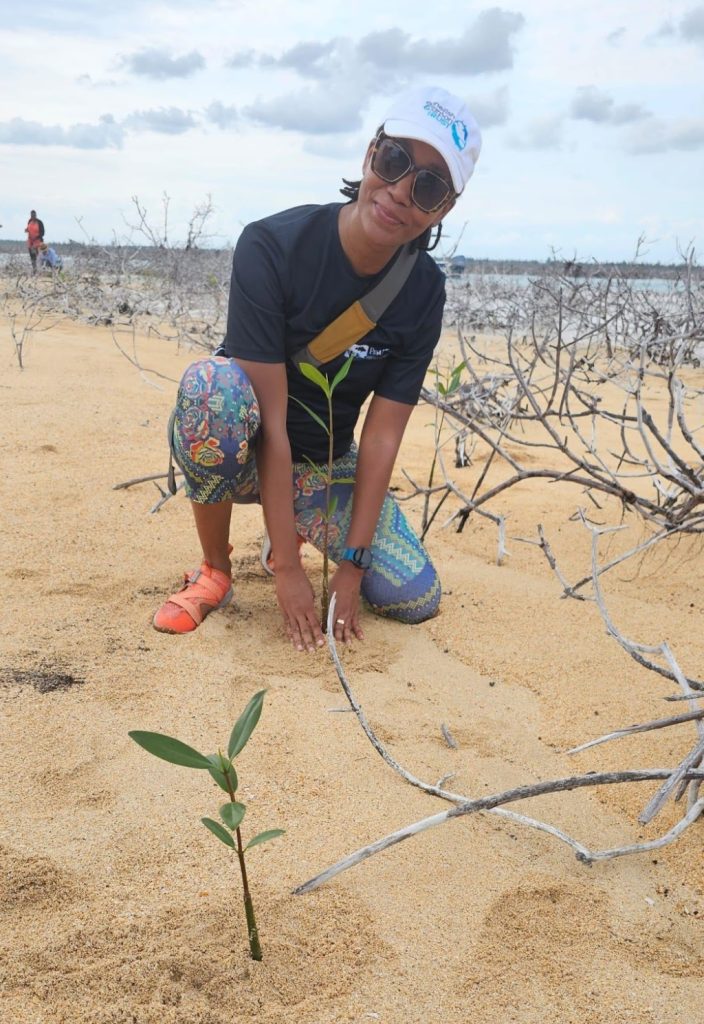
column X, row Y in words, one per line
column 35, row 237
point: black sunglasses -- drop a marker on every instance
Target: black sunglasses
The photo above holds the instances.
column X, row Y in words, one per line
column 391, row 162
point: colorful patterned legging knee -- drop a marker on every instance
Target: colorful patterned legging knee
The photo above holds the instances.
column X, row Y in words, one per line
column 213, row 435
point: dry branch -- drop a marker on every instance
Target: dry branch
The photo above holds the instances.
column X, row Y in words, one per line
column 630, row 730
column 492, row 804
column 488, row 803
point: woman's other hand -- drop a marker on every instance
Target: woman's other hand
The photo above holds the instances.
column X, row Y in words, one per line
column 297, row 603
column 345, row 585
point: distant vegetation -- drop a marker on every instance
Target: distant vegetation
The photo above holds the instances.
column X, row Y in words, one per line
column 454, row 265
column 567, row 268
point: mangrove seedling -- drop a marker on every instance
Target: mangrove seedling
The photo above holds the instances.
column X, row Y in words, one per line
column 445, row 388
column 328, row 388
column 222, row 769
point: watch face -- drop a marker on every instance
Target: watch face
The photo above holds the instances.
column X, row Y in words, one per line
column 362, row 558
column 359, row 557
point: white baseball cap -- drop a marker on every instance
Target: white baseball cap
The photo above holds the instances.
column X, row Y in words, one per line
column 434, row 115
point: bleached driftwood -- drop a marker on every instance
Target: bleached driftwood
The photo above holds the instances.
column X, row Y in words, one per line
column 487, row 803
column 493, row 803
column 630, row 730
column 688, row 687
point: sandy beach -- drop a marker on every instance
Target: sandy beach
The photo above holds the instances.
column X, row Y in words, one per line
column 118, row 907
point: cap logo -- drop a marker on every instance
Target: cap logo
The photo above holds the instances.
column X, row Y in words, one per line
column 445, row 117
column 460, row 134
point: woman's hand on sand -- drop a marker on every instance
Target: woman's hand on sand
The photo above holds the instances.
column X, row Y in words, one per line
column 345, row 585
column 296, row 601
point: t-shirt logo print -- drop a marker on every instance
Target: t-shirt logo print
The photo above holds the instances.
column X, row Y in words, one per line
column 368, row 351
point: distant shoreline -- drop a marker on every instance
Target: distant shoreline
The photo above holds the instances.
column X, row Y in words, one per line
column 453, row 265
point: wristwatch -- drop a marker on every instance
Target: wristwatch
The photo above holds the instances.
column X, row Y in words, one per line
column 359, row 557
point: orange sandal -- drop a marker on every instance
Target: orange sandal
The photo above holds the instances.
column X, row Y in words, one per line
column 204, row 591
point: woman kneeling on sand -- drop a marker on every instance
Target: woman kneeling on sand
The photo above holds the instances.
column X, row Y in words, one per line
column 239, row 431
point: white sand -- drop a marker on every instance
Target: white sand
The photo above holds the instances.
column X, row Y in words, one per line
column 118, row 907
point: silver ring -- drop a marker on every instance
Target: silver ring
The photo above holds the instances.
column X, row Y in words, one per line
column 339, row 622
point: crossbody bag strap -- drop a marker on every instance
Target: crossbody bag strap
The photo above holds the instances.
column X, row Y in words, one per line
column 361, row 317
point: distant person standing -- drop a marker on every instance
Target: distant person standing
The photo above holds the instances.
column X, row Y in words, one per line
column 35, row 237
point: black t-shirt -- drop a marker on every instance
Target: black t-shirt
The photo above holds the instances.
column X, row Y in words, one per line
column 290, row 279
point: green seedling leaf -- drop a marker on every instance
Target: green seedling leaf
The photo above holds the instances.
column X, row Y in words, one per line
column 314, row 374
column 216, row 770
column 169, row 749
column 232, row 814
column 332, row 507
column 217, row 830
column 442, row 389
column 315, row 466
column 264, row 837
column 310, row 412
column 244, row 726
column 343, row 480
column 341, row 373
column 455, row 378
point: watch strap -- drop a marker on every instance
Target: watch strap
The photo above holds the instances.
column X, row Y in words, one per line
column 359, row 557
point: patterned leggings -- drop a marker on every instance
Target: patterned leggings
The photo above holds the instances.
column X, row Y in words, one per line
column 212, row 434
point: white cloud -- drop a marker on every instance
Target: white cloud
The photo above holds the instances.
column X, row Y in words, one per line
column 660, row 136
column 590, row 104
column 309, row 59
column 222, row 116
column 319, row 110
column 689, row 27
column 93, row 83
column 167, row 120
column 616, row 37
column 664, row 31
column 692, row 25
column 155, row 63
column 106, row 134
column 484, row 46
column 241, row 59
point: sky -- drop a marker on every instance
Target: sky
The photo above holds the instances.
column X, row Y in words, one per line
column 592, row 115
